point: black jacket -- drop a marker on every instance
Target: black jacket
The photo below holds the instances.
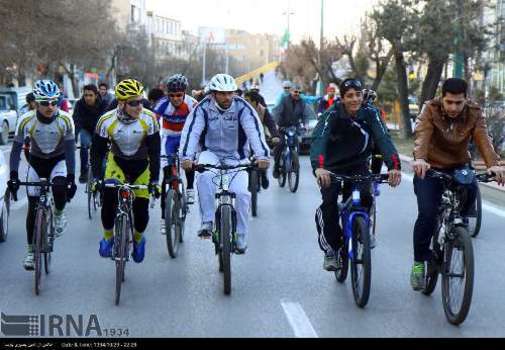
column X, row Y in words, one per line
column 86, row 117
column 340, row 141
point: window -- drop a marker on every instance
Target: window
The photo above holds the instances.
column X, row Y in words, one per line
column 3, row 103
column 132, row 14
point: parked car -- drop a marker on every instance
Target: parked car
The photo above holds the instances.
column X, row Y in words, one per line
column 8, row 118
column 15, row 101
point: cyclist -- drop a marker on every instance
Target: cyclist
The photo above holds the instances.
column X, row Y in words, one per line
column 269, row 127
column 106, row 96
column 293, row 111
column 174, row 111
column 444, row 130
column 52, row 156
column 86, row 114
column 342, row 145
column 328, row 100
column 134, row 135
column 255, row 89
column 225, row 126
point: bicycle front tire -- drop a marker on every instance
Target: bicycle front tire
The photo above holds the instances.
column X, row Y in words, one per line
column 461, row 244
column 121, row 238
column 225, row 231
column 361, row 280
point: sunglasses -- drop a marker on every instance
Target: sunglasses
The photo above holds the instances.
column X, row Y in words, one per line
column 353, row 83
column 179, row 95
column 296, row 92
column 48, row 103
column 134, row 103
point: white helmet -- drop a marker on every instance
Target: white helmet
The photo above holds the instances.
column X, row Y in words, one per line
column 222, row 83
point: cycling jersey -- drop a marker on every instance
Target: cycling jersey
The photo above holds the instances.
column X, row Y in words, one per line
column 134, row 141
column 172, row 118
column 47, row 137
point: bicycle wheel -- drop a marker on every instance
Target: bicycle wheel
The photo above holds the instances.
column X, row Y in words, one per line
column 225, row 230
column 184, row 211
column 4, row 218
column 171, row 218
column 475, row 220
column 343, row 256
column 48, row 241
column 282, row 172
column 457, row 276
column 361, row 262
column 294, row 173
column 91, row 198
column 37, row 248
column 253, row 188
column 121, row 245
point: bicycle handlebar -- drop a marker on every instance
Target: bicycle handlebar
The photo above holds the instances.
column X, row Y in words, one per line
column 203, row 167
column 482, row 177
column 380, row 178
column 131, row 187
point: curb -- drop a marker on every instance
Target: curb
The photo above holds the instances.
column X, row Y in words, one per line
column 492, row 186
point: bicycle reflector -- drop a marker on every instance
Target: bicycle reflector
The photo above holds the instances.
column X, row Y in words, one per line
column 124, row 194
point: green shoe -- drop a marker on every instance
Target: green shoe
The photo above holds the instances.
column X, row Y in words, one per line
column 417, row 276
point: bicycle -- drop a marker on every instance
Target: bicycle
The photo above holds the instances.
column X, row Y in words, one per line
column 123, row 231
column 475, row 216
column 44, row 232
column 357, row 226
column 225, row 223
column 94, row 196
column 452, row 249
column 175, row 207
column 4, row 216
column 289, row 163
column 255, row 184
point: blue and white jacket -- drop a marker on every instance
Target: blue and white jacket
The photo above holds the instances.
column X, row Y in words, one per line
column 229, row 135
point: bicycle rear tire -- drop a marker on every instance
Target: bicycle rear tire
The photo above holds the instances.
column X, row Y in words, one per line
column 282, row 172
column 253, row 188
column 294, row 173
column 463, row 243
column 361, row 239
column 478, row 218
column 343, row 255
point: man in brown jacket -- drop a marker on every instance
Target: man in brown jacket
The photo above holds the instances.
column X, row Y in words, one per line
column 444, row 130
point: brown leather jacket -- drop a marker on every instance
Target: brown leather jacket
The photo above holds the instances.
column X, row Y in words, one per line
column 443, row 142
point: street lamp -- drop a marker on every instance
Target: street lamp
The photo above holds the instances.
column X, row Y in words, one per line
column 289, row 13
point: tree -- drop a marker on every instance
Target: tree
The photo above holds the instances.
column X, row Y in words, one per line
column 395, row 21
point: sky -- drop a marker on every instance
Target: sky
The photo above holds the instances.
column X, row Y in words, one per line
column 266, row 16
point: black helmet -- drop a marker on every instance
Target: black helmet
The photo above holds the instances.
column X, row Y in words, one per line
column 30, row 98
column 177, row 83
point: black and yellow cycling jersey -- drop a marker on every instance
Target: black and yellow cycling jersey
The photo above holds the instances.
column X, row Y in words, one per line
column 135, row 148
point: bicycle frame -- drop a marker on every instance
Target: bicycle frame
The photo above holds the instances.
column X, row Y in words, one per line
column 291, row 145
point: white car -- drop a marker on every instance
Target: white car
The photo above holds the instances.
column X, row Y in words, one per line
column 8, row 118
column 4, row 202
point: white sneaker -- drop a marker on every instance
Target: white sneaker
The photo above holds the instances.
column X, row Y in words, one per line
column 60, row 224
column 240, row 245
column 28, row 262
column 190, row 196
column 206, row 230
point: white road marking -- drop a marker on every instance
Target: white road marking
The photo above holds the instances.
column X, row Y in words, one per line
column 487, row 206
column 298, row 320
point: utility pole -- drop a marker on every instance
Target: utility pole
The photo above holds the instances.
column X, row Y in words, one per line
column 289, row 13
column 321, row 46
column 204, row 73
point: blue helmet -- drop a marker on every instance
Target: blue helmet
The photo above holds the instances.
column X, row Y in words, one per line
column 46, row 90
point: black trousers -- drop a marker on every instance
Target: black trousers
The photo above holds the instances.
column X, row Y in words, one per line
column 327, row 218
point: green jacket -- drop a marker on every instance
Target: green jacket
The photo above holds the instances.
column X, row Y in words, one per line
column 340, row 142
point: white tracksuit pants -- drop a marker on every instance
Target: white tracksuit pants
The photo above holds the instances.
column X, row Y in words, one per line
column 207, row 190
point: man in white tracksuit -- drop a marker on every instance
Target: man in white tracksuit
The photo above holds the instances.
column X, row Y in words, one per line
column 223, row 127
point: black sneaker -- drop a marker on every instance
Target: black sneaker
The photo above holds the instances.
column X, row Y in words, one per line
column 83, row 179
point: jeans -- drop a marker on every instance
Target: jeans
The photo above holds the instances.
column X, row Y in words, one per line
column 429, row 195
column 86, row 139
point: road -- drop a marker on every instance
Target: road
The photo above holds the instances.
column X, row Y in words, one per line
column 279, row 287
